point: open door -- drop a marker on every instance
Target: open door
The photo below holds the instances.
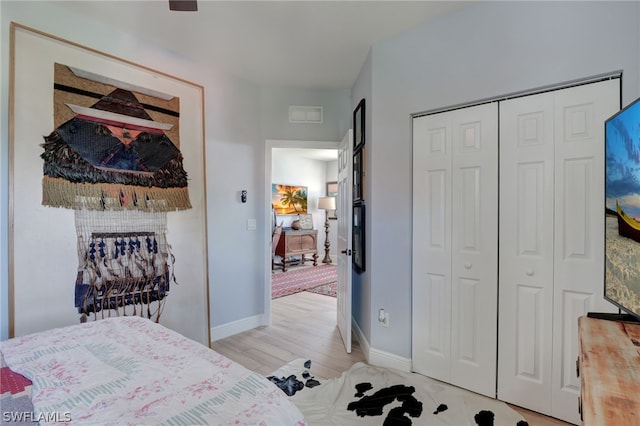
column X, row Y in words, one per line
column 344, row 212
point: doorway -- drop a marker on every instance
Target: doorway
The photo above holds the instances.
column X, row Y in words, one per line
column 320, row 150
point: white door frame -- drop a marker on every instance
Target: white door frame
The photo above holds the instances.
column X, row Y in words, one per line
column 269, row 145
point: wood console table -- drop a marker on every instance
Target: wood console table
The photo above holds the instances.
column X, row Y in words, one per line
column 294, row 245
column 609, row 370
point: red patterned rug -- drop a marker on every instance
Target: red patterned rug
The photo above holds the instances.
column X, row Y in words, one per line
column 285, row 283
column 326, row 289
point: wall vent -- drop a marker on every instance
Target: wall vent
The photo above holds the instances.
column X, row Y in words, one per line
column 305, row 114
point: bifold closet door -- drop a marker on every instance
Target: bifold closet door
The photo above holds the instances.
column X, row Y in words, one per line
column 551, row 240
column 455, row 226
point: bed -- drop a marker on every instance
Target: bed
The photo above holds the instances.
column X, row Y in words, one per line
column 130, row 370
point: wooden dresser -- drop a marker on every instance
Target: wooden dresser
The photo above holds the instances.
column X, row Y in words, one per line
column 609, row 370
column 294, row 245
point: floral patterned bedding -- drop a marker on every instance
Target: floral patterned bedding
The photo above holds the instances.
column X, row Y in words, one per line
column 129, row 370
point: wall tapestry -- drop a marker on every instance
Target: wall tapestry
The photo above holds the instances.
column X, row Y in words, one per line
column 108, row 154
column 125, row 263
column 107, row 151
column 107, row 179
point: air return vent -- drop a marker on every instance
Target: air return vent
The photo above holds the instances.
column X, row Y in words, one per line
column 305, row 114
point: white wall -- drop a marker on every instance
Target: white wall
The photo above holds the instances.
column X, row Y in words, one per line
column 490, row 49
column 361, row 282
column 233, row 145
column 235, row 132
column 275, row 104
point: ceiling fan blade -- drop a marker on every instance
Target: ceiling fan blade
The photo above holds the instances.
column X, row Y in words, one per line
column 183, row 5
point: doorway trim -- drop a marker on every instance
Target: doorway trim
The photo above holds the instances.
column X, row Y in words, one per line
column 269, row 145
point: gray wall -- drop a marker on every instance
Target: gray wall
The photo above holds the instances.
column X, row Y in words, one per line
column 275, row 104
column 485, row 51
column 361, row 282
column 235, row 131
column 490, row 49
column 234, row 152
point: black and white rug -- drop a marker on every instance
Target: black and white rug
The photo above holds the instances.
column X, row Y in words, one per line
column 368, row 395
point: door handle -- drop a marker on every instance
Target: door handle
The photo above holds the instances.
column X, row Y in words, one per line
column 346, row 251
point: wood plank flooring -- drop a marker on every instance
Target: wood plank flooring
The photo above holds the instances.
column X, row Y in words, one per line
column 304, row 326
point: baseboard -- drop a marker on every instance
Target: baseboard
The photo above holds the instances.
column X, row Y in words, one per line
column 360, row 337
column 377, row 357
column 235, row 327
column 388, row 360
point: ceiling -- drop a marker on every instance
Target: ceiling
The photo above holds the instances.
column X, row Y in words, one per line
column 305, row 44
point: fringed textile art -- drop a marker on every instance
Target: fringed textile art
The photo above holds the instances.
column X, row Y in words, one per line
column 113, row 147
column 125, row 263
column 114, row 158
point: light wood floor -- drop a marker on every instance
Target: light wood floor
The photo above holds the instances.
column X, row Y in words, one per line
column 304, row 326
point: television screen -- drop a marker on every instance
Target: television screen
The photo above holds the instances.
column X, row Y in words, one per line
column 622, row 209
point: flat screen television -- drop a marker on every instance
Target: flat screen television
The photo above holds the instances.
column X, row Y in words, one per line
column 622, row 211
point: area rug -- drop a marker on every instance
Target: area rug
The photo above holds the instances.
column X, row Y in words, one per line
column 326, row 289
column 285, row 283
column 368, row 395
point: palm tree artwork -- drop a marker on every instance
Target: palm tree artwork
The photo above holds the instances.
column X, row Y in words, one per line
column 289, row 199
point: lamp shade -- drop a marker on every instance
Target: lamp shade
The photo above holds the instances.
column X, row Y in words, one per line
column 327, row 203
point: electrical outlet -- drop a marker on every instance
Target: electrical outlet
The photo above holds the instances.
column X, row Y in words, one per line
column 251, row 224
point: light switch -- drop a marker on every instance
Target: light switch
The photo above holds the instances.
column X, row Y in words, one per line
column 251, row 224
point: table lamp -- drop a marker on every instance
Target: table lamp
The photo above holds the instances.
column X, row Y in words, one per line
column 326, row 203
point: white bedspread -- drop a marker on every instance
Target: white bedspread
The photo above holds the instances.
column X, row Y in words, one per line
column 129, row 370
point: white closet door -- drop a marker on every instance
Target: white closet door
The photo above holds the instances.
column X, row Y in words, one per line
column 431, row 329
column 474, row 248
column 580, row 113
column 551, row 240
column 526, row 252
column 455, row 247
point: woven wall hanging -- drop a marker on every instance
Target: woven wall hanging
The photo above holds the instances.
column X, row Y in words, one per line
column 125, row 263
column 113, row 148
column 114, row 158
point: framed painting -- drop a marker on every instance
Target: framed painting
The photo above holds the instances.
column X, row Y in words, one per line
column 358, row 239
column 122, row 124
column 358, row 125
column 288, row 199
column 332, row 191
column 358, row 175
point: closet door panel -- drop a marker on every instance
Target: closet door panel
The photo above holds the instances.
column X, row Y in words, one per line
column 437, row 192
column 529, row 215
column 526, row 252
column 530, row 319
column 431, row 318
column 466, row 333
column 455, row 247
column 432, row 290
column 474, row 248
column 580, row 113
